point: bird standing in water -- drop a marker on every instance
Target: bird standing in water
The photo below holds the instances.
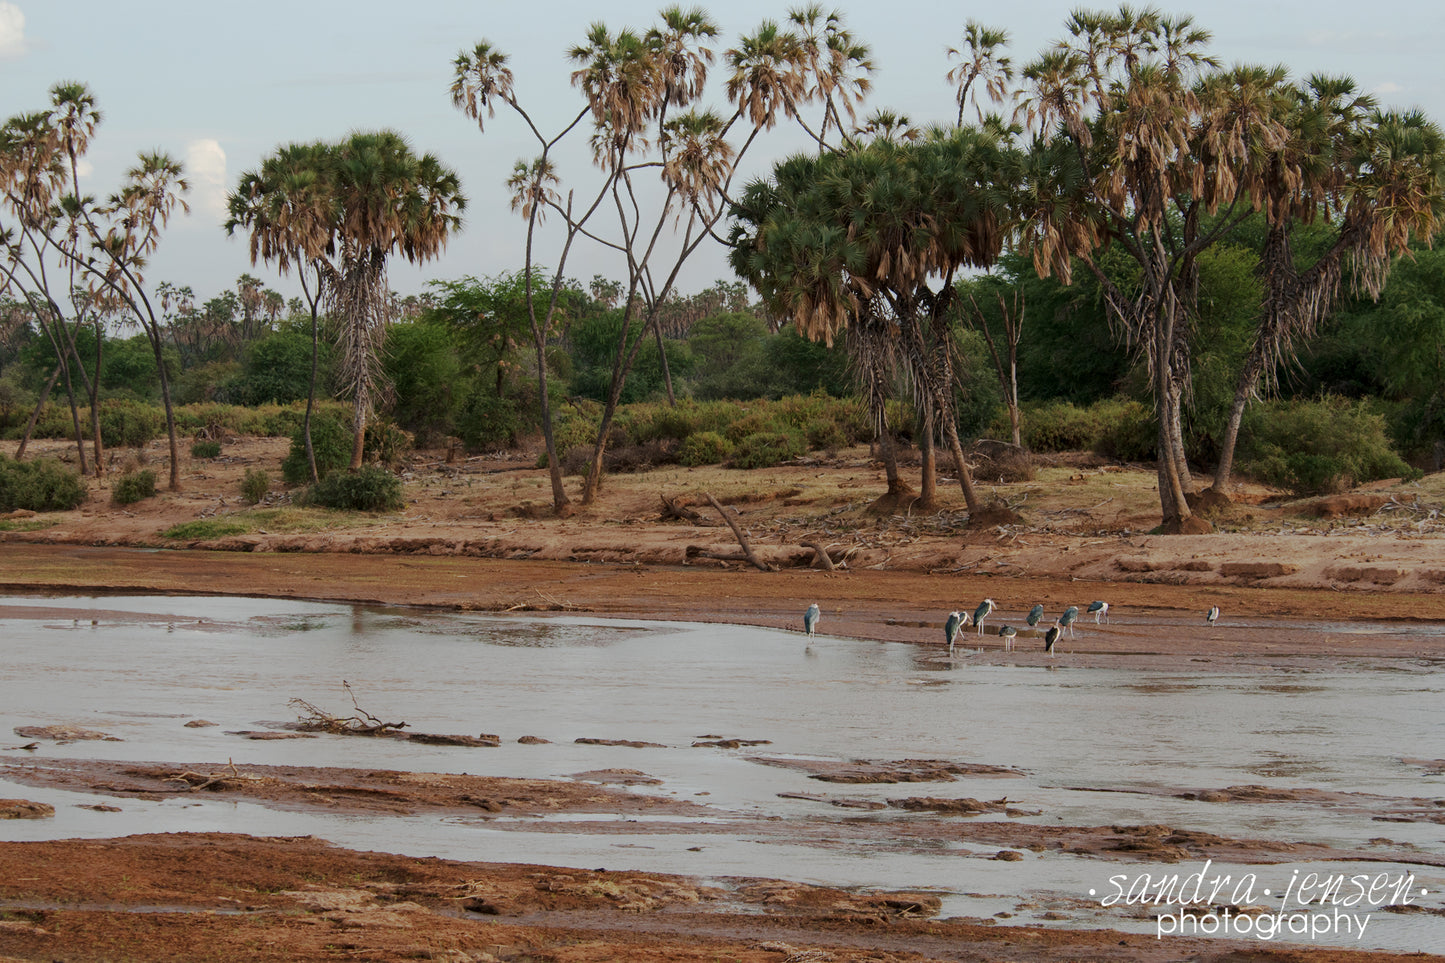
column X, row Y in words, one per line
column 981, row 613
column 956, row 621
column 1099, row 610
column 1051, row 637
column 1008, row 633
column 1212, row 615
column 1066, row 621
column 810, row 619
column 1035, row 613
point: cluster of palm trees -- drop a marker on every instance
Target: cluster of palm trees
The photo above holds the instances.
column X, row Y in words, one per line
column 1126, row 134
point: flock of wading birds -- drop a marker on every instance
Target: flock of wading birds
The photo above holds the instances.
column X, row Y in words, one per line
column 957, row 621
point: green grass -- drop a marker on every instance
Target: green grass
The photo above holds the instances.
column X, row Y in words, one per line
column 204, row 528
column 24, row 525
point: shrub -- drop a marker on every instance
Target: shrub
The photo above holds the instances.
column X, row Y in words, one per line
column 133, row 486
column 254, row 485
column 331, row 442
column 206, row 449
column 43, row 485
column 368, row 489
column 767, row 448
column 1317, row 446
column 384, row 442
column 486, row 421
column 704, row 448
column 130, row 424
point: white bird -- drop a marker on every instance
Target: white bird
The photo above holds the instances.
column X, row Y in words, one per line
column 1100, row 611
column 1212, row 615
column 810, row 619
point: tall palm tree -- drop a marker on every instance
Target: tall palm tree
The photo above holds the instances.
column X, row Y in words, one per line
column 981, row 62
column 345, row 208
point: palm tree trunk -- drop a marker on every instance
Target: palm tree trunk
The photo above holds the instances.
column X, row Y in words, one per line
column 1013, row 395
column 662, row 356
column 156, row 344
column 928, row 471
column 75, row 417
column 35, row 414
column 1248, row 382
column 358, row 443
column 965, row 477
column 311, row 396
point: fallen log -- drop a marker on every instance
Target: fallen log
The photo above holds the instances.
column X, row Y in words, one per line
column 748, row 554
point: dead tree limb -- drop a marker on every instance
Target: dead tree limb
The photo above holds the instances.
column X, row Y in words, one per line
column 752, row 559
column 363, row 723
column 821, row 556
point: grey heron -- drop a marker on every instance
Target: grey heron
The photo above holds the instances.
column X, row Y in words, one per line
column 810, row 619
column 1099, row 610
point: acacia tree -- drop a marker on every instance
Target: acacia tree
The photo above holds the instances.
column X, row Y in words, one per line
column 344, row 209
column 641, row 89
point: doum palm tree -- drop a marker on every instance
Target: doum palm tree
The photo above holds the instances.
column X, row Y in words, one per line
column 346, row 208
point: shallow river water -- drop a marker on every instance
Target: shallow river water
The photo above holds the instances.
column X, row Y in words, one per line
column 1097, row 746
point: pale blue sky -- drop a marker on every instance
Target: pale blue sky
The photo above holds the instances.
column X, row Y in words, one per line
column 222, row 84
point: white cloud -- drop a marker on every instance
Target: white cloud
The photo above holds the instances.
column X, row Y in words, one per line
column 1387, row 88
column 12, row 31
column 206, row 172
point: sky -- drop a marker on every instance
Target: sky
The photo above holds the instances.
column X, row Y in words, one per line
column 220, row 85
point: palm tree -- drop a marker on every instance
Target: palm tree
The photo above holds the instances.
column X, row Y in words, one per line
column 344, row 209
column 286, row 206
column 980, row 62
column 386, row 201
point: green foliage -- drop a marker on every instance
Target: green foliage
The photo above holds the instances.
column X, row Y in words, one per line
column 16, row 403
column 767, row 448
column 133, row 487
column 277, row 369
column 368, row 489
column 254, row 485
column 130, row 424
column 487, row 421
column 1317, row 446
column 1119, row 427
column 594, row 345
column 206, row 448
column 331, row 443
column 42, row 485
column 704, row 448
column 204, row 529
column 384, row 442
column 426, row 377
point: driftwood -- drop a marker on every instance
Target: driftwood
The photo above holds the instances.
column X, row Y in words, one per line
column 362, row 723
column 821, row 556
column 748, row 555
column 195, row 781
column 674, row 509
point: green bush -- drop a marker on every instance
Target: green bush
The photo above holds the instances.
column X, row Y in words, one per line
column 704, row 448
column 133, row 486
column 486, row 421
column 254, row 485
column 384, row 442
column 767, row 448
column 1128, row 430
column 206, row 448
column 1317, row 446
column 331, row 442
column 43, row 485
column 368, row 489
column 130, row 424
